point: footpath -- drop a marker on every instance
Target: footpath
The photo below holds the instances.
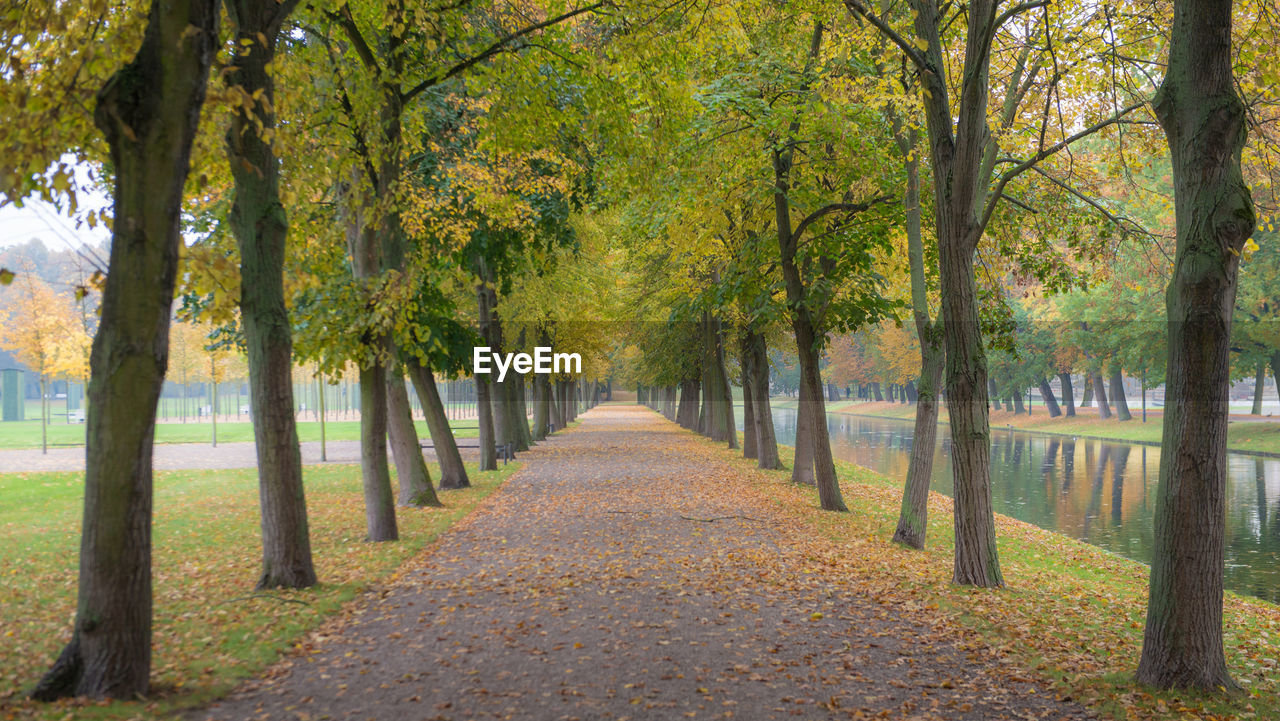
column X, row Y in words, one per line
column 632, row 571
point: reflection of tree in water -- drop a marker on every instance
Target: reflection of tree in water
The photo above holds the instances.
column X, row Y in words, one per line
column 1019, row 444
column 1118, row 465
column 1095, row 490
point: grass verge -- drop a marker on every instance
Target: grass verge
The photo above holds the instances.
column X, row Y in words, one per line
column 26, row 434
column 1246, row 436
column 210, row 630
column 1071, row 613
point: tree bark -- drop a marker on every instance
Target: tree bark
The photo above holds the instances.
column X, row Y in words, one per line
column 1117, row 393
column 875, row 391
column 1068, row 396
column 148, row 111
column 541, row 407
column 766, row 438
column 453, row 473
column 1100, row 395
column 411, row 469
column 484, row 418
column 748, row 405
column 914, row 514
column 1259, row 383
column 379, row 502
column 1087, row 399
column 1051, row 403
column 1204, row 121
column 802, row 464
column 687, row 412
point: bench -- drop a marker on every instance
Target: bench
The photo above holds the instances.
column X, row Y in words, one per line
column 505, row 451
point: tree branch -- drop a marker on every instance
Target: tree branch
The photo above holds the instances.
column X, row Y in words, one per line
column 857, row 9
column 1029, row 163
column 497, row 47
column 347, row 22
column 851, row 208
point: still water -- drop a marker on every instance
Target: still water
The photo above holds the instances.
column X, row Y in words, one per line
column 1101, row 492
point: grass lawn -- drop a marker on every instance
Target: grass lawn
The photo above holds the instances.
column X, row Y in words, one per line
column 26, row 434
column 1255, row 436
column 210, row 629
column 1071, row 613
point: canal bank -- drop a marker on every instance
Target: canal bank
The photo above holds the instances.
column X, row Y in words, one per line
column 1099, row 491
column 1244, row 435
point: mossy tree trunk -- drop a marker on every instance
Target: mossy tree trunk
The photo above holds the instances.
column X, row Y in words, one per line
column 148, row 111
column 1204, row 121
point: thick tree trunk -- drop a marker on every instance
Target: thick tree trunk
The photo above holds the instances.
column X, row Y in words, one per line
column 1117, row 393
column 1100, row 395
column 1204, row 121
column 977, row 561
column 1087, row 399
column 1259, row 383
column 766, row 438
column 379, row 502
column 1068, row 396
column 148, row 112
column 687, row 411
column 453, row 474
column 406, row 449
column 1046, row 394
column 875, row 391
column 1018, row 406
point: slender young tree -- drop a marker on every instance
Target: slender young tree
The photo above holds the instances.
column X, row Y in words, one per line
column 1204, row 121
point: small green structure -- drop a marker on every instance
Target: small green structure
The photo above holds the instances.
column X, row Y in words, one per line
column 14, row 405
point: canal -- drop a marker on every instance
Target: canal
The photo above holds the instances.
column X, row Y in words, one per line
column 1101, row 492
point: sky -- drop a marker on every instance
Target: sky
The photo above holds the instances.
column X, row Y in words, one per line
column 38, row 219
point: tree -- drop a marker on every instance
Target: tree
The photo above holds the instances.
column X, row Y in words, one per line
column 963, row 153
column 41, row 330
column 1204, row 121
column 148, row 113
column 261, row 226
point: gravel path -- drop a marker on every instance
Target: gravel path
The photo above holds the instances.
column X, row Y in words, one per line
column 187, row 456
column 629, row 572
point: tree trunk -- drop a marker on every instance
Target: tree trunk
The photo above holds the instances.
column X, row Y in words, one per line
column 406, row 449
column 379, row 502
column 875, row 391
column 766, row 438
column 1204, row 121
column 1068, row 396
column 453, row 474
column 914, row 514
column 1087, row 400
column 1018, row 406
column 554, row 409
column 148, row 112
column 1117, row 393
column 824, row 469
column 1100, row 395
column 541, row 407
column 802, row 464
column 687, row 412
column 1259, row 382
column 1046, row 393
column 484, row 418
column 748, row 406
column 717, row 412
